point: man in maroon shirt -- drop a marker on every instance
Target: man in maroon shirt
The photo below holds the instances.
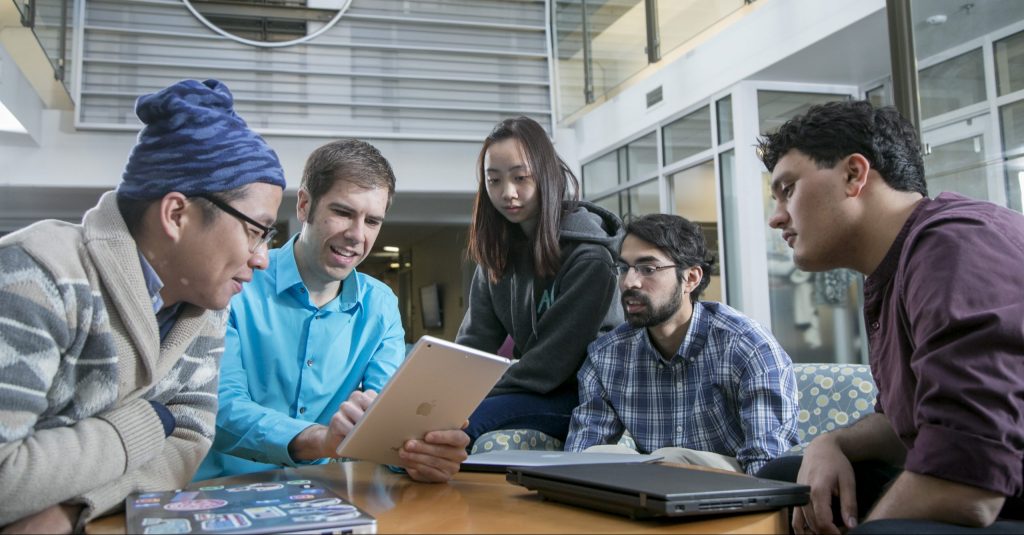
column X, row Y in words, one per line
column 944, row 307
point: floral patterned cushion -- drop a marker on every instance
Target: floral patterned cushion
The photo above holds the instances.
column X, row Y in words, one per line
column 831, row 396
column 515, row 439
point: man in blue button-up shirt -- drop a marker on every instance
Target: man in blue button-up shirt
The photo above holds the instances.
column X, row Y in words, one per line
column 690, row 380
column 311, row 340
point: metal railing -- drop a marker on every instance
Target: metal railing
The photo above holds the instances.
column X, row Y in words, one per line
column 50, row 22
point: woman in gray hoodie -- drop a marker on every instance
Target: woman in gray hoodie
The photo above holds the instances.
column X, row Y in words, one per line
column 545, row 277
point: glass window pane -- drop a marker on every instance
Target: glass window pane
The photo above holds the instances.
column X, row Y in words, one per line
column 694, row 197
column 681, row 20
column 693, row 193
column 601, row 174
column 952, row 84
column 642, row 199
column 730, row 228
column 618, row 41
column 610, row 203
column 879, row 96
column 1010, row 64
column 815, row 316
column 569, row 64
column 777, row 107
column 724, row 108
column 1015, row 184
column 1011, row 122
column 958, row 166
column 687, row 136
column 642, row 157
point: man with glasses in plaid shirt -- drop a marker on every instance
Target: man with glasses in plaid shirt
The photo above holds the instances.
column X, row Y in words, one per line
column 693, row 381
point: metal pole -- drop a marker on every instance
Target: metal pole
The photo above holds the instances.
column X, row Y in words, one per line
column 904, row 61
column 653, row 32
column 58, row 73
column 28, row 16
column 588, row 70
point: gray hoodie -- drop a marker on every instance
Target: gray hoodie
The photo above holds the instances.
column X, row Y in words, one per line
column 551, row 320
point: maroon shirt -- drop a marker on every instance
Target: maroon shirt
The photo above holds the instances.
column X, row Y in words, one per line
column 945, row 317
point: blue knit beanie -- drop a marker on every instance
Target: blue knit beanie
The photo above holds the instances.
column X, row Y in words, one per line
column 195, row 143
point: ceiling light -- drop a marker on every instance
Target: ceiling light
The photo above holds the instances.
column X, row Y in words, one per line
column 395, row 265
column 936, row 20
column 390, row 249
column 10, row 123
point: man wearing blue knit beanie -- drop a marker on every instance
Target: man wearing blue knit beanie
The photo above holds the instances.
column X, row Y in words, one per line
column 113, row 328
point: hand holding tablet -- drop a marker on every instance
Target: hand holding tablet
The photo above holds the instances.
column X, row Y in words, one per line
column 435, row 390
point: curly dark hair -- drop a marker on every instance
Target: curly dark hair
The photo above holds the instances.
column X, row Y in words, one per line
column 681, row 240
column 832, row 131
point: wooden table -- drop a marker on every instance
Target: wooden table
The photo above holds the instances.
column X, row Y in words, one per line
column 472, row 503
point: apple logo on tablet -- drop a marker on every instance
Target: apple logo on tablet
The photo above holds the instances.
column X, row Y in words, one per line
column 425, row 408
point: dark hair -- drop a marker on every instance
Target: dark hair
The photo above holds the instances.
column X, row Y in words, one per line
column 490, row 235
column 832, row 131
column 680, row 239
column 348, row 160
column 134, row 210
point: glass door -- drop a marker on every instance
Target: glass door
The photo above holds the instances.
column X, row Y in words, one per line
column 957, row 158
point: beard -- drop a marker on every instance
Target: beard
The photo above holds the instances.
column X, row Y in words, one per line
column 651, row 315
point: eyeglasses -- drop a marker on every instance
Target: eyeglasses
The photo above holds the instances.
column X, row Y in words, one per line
column 255, row 243
column 644, row 270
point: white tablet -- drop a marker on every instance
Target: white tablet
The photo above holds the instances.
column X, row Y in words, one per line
column 437, row 387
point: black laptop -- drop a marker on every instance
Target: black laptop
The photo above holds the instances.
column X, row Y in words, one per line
column 657, row 490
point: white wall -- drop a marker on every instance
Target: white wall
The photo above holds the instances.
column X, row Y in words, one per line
column 66, row 157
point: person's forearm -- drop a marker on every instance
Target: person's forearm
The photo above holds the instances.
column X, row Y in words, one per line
column 308, row 445
column 871, row 438
column 925, row 497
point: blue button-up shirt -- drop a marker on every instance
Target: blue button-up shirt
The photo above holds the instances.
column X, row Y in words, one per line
column 288, row 364
column 729, row 389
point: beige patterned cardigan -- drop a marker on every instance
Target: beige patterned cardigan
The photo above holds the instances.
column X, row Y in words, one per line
column 80, row 355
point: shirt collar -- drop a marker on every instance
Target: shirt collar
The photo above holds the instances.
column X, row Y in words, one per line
column 695, row 339
column 286, row 271
column 887, row 268
column 153, row 283
column 697, row 334
column 286, row 277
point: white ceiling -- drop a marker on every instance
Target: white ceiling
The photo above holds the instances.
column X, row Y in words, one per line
column 854, row 55
column 859, row 54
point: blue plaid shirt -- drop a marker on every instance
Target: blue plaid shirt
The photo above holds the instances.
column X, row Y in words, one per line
column 729, row 389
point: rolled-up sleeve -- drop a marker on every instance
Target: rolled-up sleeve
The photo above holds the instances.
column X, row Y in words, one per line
column 965, row 298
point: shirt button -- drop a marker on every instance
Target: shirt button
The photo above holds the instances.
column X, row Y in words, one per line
column 875, row 325
column 302, row 410
column 309, row 363
column 679, row 428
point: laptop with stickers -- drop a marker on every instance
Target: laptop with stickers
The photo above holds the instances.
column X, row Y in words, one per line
column 275, row 506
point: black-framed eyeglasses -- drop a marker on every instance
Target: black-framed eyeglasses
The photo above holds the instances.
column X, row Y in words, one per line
column 268, row 233
column 644, row 270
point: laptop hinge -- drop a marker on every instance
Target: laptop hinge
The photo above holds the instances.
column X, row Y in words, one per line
column 643, row 499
